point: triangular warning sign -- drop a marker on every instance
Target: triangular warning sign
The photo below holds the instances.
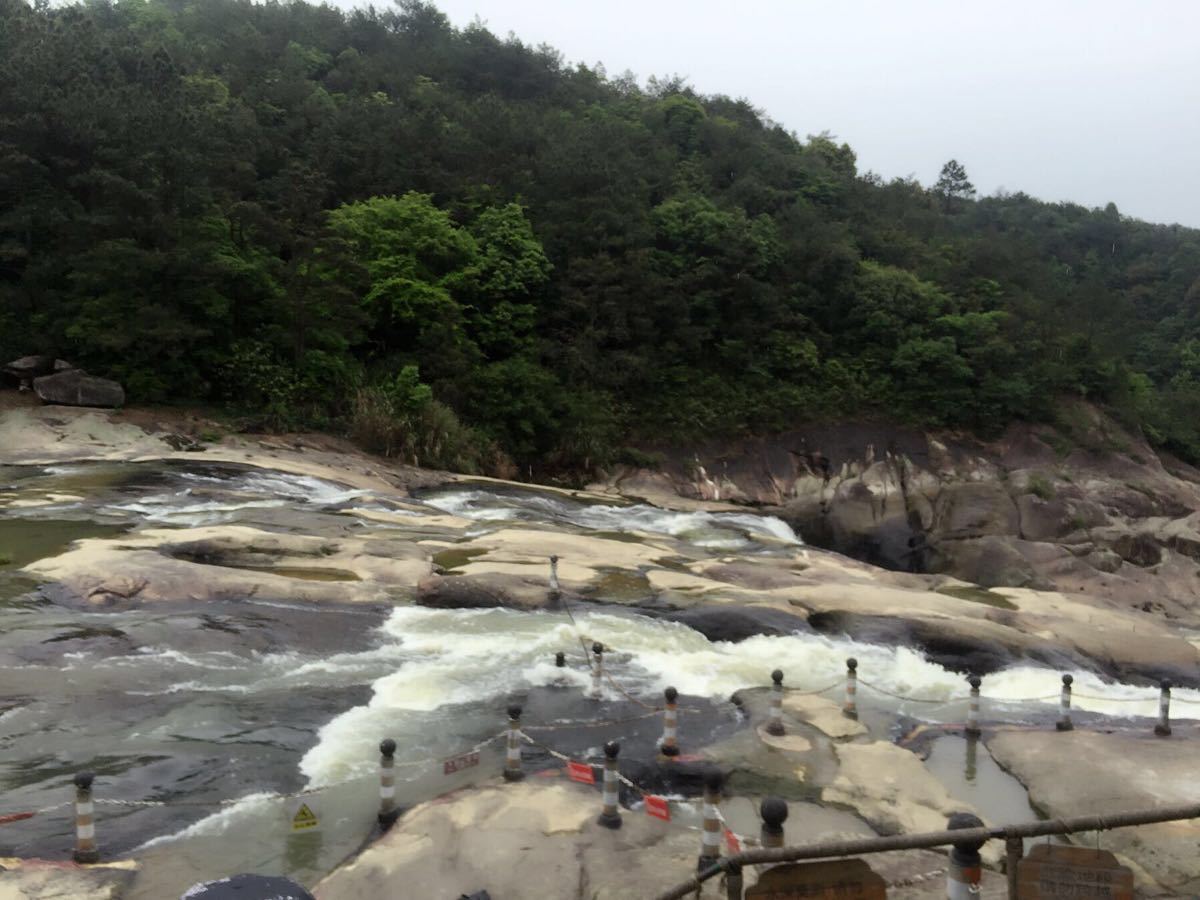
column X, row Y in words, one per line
column 304, row 819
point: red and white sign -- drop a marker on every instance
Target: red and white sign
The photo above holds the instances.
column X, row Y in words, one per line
column 732, row 842
column 657, row 807
column 458, row 763
column 581, row 772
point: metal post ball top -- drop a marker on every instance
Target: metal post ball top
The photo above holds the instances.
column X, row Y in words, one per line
column 1165, row 684
column 1068, row 680
column 597, row 648
column 714, row 780
column 611, row 749
column 852, row 664
column 554, row 558
column 777, row 676
column 774, row 812
column 83, row 780
column 387, row 747
column 975, row 681
column 671, row 694
column 514, row 712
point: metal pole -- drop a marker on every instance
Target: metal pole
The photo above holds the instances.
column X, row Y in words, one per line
column 1014, row 849
column 555, row 589
column 512, row 756
column 710, row 837
column 733, row 883
column 1064, row 706
column 669, row 748
column 859, row 846
column 966, row 867
column 775, row 722
column 387, row 783
column 850, row 709
column 972, row 728
column 85, row 820
column 597, row 670
column 610, row 815
column 1163, row 728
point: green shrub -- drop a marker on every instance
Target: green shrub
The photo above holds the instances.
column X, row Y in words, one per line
column 1040, row 487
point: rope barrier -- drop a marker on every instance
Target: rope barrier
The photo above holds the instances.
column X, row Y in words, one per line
column 603, row 724
column 801, row 693
column 888, row 693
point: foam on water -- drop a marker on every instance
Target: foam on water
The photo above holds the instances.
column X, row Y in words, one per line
column 718, row 531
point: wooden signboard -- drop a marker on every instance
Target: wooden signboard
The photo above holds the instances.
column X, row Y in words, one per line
column 1055, row 870
column 841, row 879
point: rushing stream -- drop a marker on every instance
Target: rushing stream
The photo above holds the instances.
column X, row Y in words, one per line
column 207, row 709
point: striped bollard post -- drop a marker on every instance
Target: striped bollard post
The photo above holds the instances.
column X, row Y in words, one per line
column 1064, row 706
column 774, row 812
column 555, row 590
column 850, row 709
column 710, row 837
column 512, row 756
column 597, row 670
column 972, row 729
column 387, row 784
column 669, row 748
column 1163, row 728
column 610, row 815
column 775, row 722
column 966, row 867
column 85, row 820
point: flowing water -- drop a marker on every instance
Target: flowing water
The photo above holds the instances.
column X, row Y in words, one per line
column 209, row 709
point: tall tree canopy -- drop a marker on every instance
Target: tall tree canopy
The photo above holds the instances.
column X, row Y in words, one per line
column 461, row 248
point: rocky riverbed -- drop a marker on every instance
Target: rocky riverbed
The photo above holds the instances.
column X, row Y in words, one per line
column 206, row 621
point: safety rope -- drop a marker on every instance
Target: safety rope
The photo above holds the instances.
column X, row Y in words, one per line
column 888, row 693
column 828, row 687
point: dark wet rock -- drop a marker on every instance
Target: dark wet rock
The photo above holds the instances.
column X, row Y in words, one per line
column 989, row 561
column 736, row 623
column 248, row 887
column 1138, row 549
column 77, row 388
column 483, row 592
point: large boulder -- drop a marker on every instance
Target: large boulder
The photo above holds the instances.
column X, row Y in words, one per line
column 29, row 367
column 74, row 387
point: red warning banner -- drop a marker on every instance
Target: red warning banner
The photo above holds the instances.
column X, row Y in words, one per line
column 732, row 842
column 581, row 772
column 657, row 807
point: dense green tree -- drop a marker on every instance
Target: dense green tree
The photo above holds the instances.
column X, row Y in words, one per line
column 458, row 247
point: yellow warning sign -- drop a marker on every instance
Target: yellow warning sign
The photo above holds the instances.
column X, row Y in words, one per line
column 304, row 819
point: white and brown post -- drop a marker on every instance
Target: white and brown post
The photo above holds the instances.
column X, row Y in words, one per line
column 512, row 755
column 775, row 719
column 669, row 748
column 597, row 670
column 1064, row 706
column 972, row 729
column 710, row 837
column 1163, row 728
column 555, row 589
column 387, row 784
column 850, row 708
column 966, row 866
column 610, row 814
column 85, row 820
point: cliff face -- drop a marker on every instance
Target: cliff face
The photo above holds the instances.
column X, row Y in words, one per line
column 1087, row 508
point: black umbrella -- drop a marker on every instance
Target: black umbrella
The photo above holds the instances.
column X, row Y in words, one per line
column 248, row 887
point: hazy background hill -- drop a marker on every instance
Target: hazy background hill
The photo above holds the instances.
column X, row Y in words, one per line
column 463, row 251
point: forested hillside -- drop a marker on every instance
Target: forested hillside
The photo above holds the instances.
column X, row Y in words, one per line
column 461, row 249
